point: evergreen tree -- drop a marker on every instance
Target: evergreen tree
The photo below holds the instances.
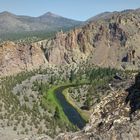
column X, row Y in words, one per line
column 56, row 113
column 71, row 78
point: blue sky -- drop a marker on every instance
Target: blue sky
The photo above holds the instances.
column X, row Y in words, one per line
column 75, row 9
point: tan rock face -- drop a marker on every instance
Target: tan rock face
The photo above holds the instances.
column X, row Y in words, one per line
column 113, row 42
column 16, row 58
column 64, row 49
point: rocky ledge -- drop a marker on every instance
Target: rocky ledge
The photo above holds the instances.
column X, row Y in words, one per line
column 116, row 117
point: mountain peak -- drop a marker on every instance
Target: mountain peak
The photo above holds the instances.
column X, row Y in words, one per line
column 50, row 14
column 6, row 13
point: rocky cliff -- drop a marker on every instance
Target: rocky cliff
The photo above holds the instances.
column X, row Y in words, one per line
column 15, row 58
column 113, row 41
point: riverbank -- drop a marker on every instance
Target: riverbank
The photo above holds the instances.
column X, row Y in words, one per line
column 84, row 114
column 49, row 99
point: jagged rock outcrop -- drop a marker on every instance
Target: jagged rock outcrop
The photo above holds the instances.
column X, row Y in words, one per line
column 15, row 58
column 64, row 49
column 113, row 41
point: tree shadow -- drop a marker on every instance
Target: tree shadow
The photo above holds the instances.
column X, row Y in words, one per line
column 133, row 97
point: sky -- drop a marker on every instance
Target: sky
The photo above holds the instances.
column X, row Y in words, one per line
column 74, row 9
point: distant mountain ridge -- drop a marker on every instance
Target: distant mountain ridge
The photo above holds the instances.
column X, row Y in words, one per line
column 107, row 15
column 49, row 22
column 99, row 16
